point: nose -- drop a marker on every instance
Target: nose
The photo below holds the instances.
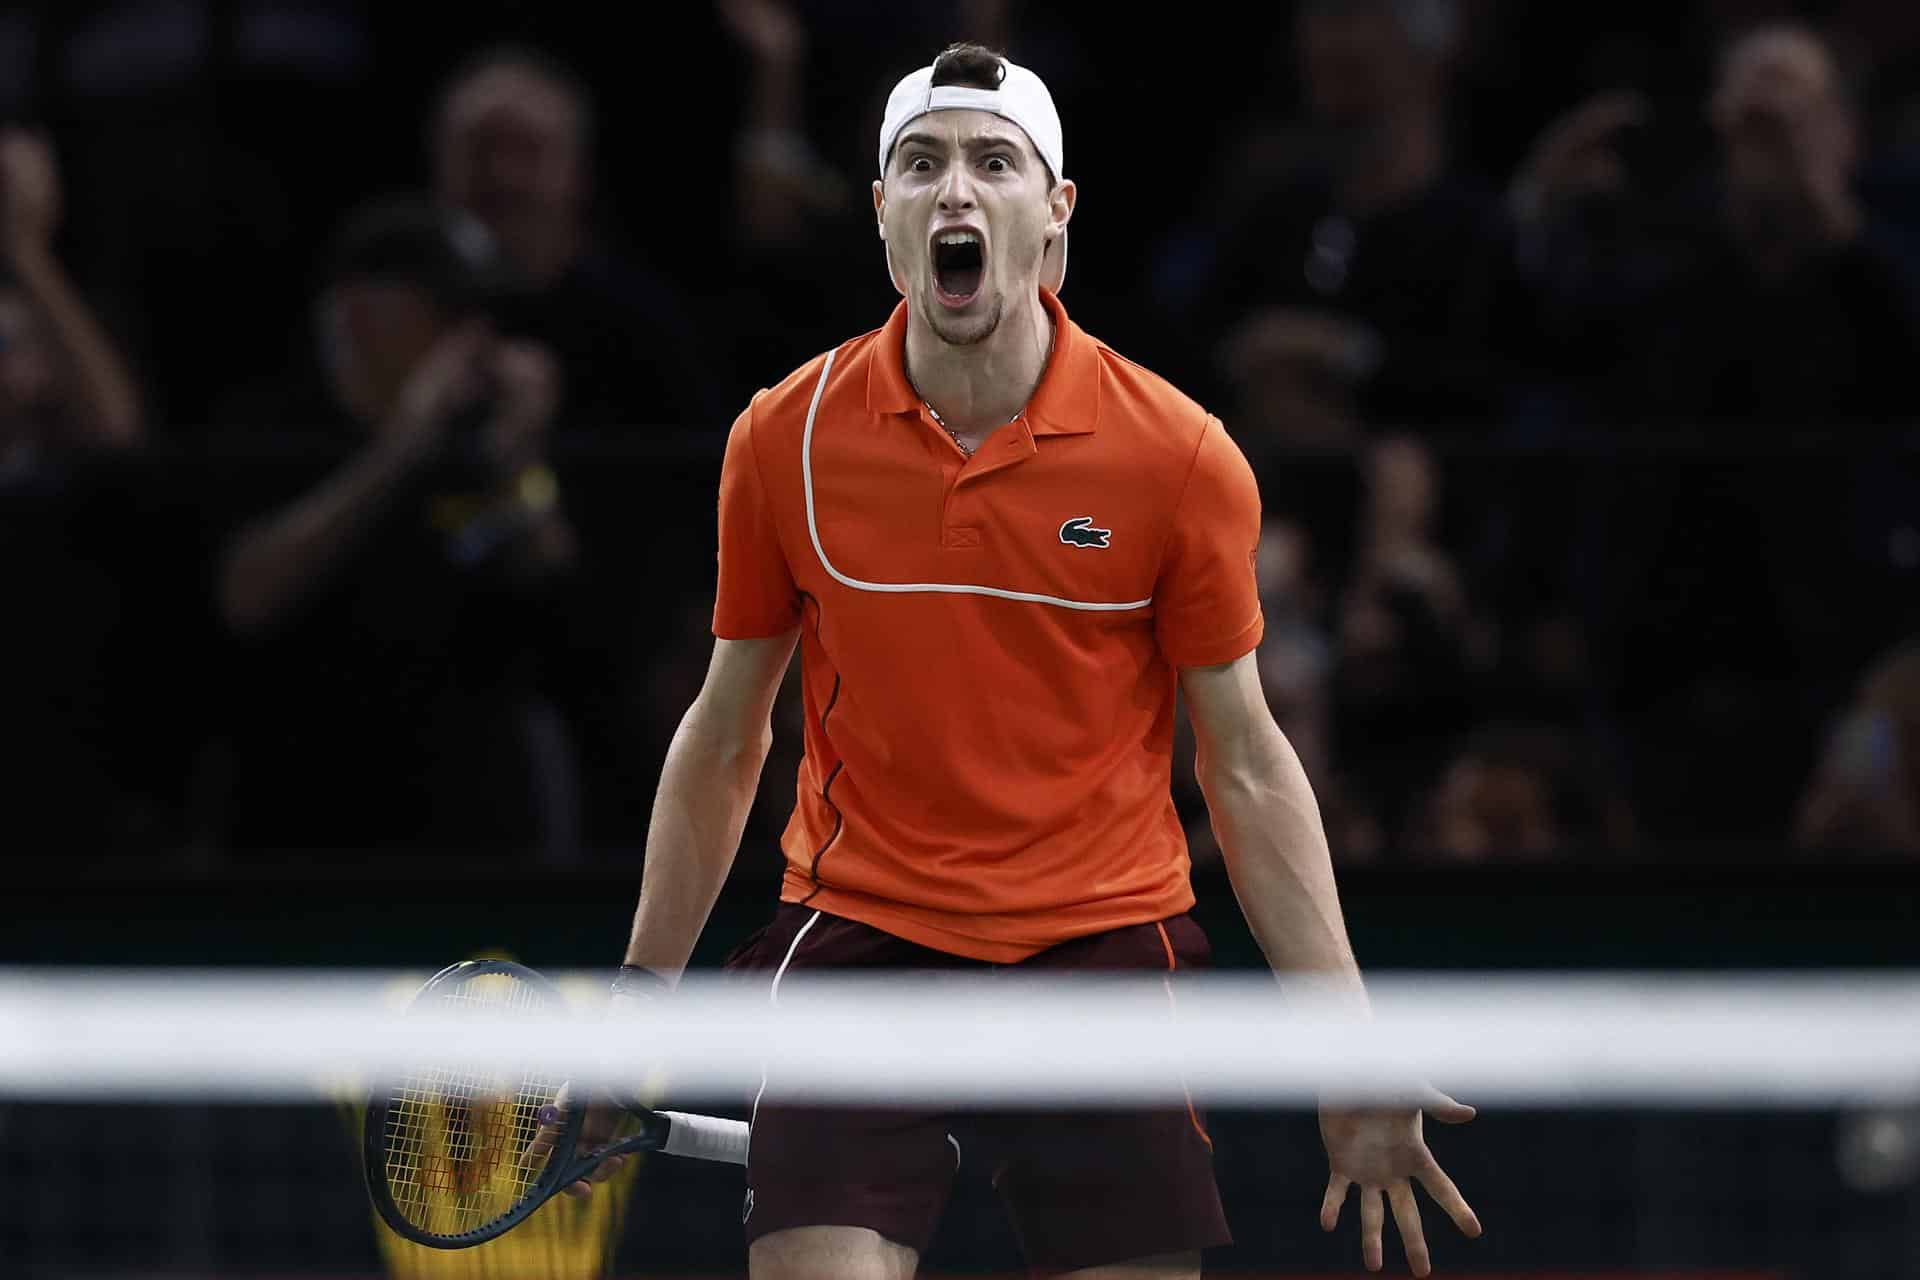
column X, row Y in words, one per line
column 956, row 193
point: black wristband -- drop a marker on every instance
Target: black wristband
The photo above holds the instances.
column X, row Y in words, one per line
column 638, row 980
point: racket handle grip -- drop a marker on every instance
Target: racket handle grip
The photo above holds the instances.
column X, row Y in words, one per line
column 705, row 1137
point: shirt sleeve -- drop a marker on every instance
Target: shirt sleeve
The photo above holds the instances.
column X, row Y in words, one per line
column 757, row 595
column 1207, row 599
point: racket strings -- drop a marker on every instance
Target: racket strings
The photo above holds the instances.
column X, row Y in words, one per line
column 460, row 1139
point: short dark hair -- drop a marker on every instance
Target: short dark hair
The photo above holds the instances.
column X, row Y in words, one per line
column 974, row 66
column 971, row 66
column 408, row 239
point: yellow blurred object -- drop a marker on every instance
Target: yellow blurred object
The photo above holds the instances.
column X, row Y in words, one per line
column 565, row 1239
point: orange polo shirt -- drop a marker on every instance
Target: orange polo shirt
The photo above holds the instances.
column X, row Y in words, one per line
column 989, row 646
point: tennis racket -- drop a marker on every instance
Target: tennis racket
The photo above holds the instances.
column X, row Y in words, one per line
column 456, row 1155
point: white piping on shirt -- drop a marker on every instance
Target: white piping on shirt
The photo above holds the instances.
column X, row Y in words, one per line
column 948, row 588
column 773, row 997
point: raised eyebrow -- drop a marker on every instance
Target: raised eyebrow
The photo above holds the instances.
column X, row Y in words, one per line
column 980, row 142
column 925, row 140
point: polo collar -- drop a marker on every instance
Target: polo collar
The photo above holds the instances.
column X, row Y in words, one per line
column 1067, row 401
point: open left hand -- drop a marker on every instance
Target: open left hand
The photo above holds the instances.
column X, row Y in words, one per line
column 1380, row 1150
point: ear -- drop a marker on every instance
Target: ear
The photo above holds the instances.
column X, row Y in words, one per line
column 880, row 220
column 1060, row 207
column 1053, row 261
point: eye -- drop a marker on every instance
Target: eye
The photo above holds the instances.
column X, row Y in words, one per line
column 920, row 164
column 999, row 163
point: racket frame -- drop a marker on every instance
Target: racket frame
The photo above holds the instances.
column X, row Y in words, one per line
column 563, row 1167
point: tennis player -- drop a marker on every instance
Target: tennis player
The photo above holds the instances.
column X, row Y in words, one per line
column 1002, row 549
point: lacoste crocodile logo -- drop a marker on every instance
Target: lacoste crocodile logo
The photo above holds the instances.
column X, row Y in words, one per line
column 1079, row 532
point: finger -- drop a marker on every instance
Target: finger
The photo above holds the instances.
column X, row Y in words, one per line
column 1445, row 1109
column 578, row 1190
column 1331, row 1202
column 1448, row 1197
column 536, row 1153
column 541, row 1147
column 1373, row 1216
column 607, row 1168
column 1406, row 1216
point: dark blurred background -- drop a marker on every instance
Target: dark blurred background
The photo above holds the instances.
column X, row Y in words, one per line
column 1574, row 352
column 364, row 373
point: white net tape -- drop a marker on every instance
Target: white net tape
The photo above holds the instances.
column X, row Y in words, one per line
column 1232, row 1038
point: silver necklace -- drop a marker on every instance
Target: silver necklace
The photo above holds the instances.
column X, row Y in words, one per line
column 955, row 435
column 958, row 443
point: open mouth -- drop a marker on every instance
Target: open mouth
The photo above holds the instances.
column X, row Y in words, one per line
column 959, row 265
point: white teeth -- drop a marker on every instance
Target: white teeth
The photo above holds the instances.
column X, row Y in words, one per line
column 958, row 237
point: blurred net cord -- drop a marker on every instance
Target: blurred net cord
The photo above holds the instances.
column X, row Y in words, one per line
column 1587, row 1040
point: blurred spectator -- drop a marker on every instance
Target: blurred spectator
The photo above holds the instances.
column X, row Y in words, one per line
column 1773, row 295
column 1864, row 795
column 1296, row 658
column 1516, row 793
column 1359, row 285
column 201, row 140
column 798, row 221
column 78, row 646
column 1800, row 308
column 513, row 140
column 408, row 618
column 1297, row 666
column 1411, row 650
column 1493, row 802
column 62, row 384
column 1764, row 299
column 1580, row 211
column 783, row 186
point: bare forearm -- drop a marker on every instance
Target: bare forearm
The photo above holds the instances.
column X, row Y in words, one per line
column 706, row 791
column 774, row 95
column 274, row 563
column 1268, row 824
column 103, row 389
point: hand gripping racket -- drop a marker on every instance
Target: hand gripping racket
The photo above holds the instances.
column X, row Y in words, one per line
column 455, row 1155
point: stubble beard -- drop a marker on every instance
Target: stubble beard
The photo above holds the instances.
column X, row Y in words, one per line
column 962, row 331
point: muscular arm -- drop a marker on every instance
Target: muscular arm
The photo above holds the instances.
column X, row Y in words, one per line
column 1268, row 825
column 1276, row 853
column 706, row 790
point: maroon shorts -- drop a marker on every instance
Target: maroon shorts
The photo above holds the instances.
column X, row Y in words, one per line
column 1083, row 1188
